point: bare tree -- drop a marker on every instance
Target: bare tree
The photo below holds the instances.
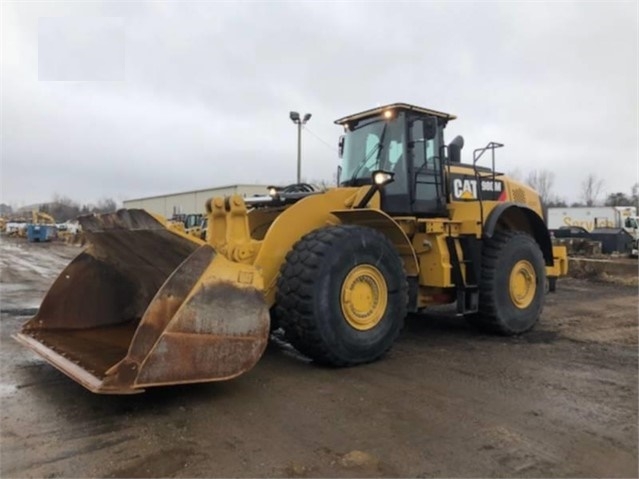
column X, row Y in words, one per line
column 556, row 202
column 63, row 208
column 105, row 205
column 618, row 199
column 591, row 189
column 542, row 181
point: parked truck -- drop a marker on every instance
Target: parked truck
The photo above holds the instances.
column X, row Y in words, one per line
column 597, row 218
column 594, row 217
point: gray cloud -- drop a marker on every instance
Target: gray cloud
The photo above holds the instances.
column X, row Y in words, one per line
column 207, row 88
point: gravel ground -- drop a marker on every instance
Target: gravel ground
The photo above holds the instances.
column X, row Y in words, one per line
column 560, row 401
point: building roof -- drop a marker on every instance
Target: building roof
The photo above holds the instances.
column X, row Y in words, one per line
column 394, row 106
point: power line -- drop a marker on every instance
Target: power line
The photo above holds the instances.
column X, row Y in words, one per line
column 332, row 147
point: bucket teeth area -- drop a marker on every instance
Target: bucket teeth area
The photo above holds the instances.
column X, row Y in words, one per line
column 143, row 306
column 94, row 350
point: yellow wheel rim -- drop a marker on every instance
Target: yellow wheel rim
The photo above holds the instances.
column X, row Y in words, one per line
column 523, row 284
column 364, row 297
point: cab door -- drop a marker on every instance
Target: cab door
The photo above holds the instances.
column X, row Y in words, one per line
column 427, row 176
column 396, row 197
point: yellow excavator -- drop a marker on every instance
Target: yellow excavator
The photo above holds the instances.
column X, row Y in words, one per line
column 407, row 227
column 41, row 218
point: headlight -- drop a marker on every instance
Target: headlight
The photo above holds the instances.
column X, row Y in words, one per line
column 381, row 178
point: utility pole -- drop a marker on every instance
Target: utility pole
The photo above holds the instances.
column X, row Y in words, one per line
column 295, row 118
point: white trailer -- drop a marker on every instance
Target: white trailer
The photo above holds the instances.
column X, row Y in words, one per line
column 593, row 217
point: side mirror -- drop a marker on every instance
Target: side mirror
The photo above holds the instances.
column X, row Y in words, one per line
column 340, row 146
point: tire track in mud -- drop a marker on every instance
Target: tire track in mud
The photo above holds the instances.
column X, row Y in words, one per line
column 165, row 463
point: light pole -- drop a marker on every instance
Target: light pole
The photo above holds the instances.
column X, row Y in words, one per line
column 295, row 118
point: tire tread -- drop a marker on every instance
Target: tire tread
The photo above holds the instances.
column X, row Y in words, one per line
column 488, row 318
column 295, row 286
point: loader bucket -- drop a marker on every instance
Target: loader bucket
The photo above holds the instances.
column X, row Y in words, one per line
column 143, row 306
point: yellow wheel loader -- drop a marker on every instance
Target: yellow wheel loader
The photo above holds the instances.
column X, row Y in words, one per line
column 190, row 224
column 408, row 226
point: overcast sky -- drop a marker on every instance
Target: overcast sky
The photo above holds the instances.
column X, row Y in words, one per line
column 127, row 99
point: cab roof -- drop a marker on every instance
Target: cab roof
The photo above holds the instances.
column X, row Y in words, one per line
column 394, row 106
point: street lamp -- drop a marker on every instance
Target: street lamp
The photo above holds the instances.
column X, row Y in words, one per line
column 295, row 118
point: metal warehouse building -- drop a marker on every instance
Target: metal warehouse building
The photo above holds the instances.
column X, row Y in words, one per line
column 191, row 201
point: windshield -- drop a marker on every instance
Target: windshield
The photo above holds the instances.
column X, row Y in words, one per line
column 193, row 220
column 374, row 146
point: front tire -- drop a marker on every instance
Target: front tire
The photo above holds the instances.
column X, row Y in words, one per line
column 342, row 295
column 513, row 283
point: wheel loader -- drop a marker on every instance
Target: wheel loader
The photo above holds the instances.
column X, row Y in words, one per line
column 407, row 227
column 190, row 224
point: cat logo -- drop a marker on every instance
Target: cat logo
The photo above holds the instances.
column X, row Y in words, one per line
column 465, row 189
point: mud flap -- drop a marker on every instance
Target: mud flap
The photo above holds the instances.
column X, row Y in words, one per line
column 143, row 306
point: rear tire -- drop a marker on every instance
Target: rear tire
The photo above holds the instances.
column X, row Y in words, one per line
column 342, row 295
column 513, row 283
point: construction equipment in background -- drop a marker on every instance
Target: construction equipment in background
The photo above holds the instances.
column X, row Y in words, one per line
column 19, row 225
column 605, row 222
column 191, row 224
column 71, row 233
column 16, row 226
column 409, row 226
column 41, row 218
column 592, row 217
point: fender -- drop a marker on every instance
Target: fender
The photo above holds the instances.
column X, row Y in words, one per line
column 380, row 221
column 521, row 218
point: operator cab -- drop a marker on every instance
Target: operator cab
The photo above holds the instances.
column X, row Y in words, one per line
column 403, row 139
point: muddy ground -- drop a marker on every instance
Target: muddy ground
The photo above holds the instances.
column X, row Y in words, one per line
column 446, row 401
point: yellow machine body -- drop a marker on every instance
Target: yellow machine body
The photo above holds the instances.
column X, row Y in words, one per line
column 41, row 218
column 146, row 304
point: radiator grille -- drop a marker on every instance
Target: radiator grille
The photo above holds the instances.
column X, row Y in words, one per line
column 519, row 195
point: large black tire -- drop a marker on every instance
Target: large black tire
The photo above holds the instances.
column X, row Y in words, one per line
column 505, row 255
column 310, row 288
